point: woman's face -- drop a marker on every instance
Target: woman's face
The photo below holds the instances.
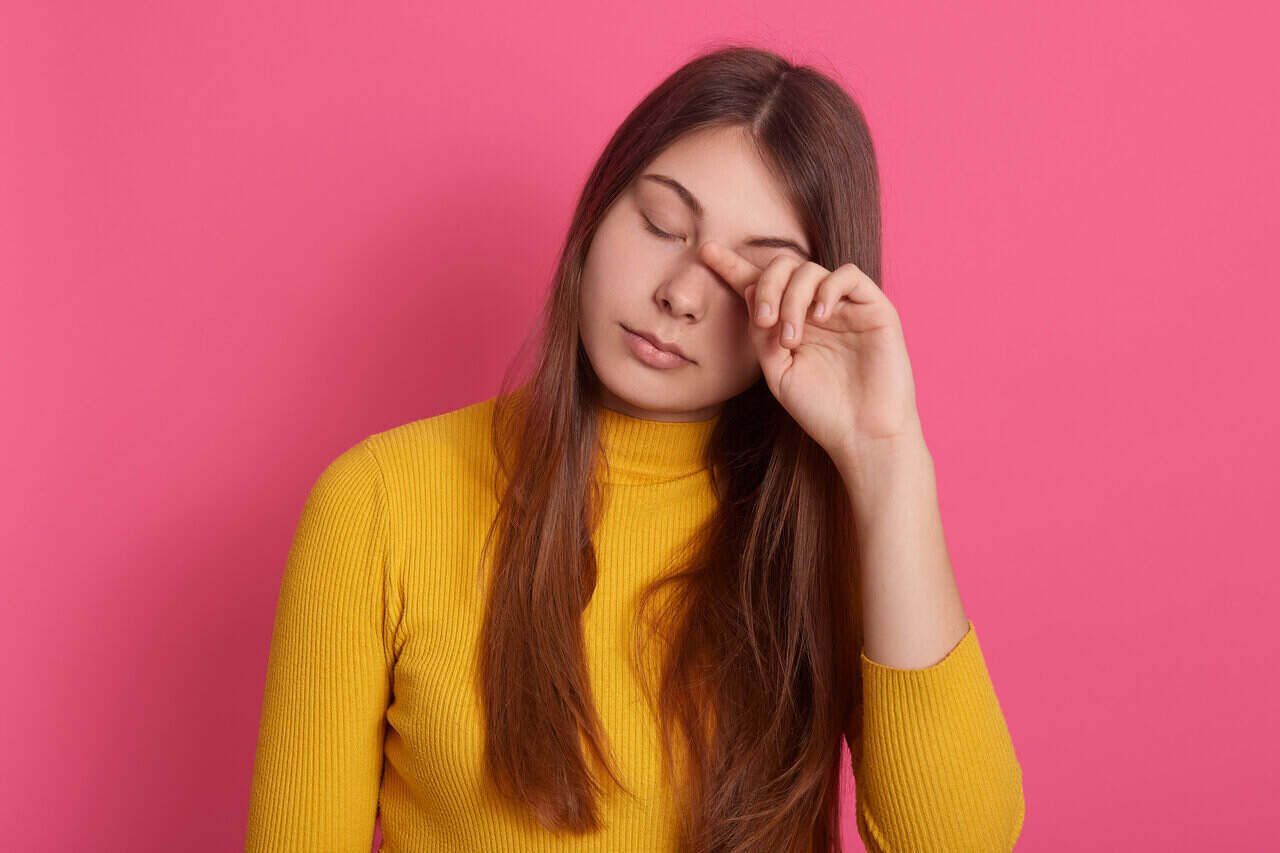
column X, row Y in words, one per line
column 635, row 279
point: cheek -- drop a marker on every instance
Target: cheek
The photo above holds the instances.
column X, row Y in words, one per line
column 599, row 299
column 593, row 293
column 732, row 340
column 609, row 268
column 587, row 299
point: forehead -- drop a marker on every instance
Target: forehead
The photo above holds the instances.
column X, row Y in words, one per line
column 722, row 169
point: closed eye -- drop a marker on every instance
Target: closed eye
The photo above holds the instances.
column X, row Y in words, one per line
column 653, row 229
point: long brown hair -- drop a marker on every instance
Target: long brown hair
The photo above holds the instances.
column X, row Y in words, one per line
column 759, row 654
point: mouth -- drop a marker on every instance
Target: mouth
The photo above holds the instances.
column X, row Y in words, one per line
column 653, row 351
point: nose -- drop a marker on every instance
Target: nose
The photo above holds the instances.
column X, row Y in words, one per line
column 685, row 293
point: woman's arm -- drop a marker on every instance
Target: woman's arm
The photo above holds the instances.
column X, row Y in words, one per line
column 934, row 765
column 318, row 764
column 911, row 609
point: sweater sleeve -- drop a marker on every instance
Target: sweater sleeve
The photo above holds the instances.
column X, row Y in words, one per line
column 318, row 764
column 935, row 768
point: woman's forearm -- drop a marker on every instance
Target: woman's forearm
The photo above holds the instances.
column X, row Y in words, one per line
column 912, row 615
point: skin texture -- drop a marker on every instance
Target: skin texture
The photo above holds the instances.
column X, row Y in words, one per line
column 844, row 375
column 665, row 287
column 843, row 372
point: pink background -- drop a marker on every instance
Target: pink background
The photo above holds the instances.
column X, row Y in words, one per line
column 236, row 240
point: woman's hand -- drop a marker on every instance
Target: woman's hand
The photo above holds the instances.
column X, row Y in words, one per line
column 844, row 375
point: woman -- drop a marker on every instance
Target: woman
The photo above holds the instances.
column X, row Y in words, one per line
column 639, row 601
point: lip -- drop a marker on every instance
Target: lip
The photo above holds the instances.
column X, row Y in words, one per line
column 653, row 351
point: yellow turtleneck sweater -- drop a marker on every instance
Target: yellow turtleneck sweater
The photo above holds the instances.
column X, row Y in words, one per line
column 370, row 707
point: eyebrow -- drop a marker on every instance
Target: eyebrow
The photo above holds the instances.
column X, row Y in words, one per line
column 694, row 205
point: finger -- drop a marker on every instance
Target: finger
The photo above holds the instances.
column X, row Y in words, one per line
column 774, row 359
column 772, row 283
column 796, row 300
column 729, row 265
column 855, row 285
column 849, row 283
column 833, row 288
column 759, row 336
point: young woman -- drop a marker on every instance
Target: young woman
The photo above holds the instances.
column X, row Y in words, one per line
column 639, row 601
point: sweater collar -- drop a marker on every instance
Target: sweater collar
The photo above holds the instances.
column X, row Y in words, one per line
column 639, row 450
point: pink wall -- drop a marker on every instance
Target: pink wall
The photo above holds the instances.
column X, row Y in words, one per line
column 234, row 240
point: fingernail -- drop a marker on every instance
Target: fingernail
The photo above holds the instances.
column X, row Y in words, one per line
column 819, row 310
column 763, row 311
column 788, row 331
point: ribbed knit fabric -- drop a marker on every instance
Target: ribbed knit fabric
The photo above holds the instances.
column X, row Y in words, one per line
column 370, row 700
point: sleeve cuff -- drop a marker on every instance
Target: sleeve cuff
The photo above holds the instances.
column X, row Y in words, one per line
column 964, row 652
column 938, row 770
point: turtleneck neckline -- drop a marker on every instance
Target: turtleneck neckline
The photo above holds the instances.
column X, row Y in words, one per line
column 640, row 450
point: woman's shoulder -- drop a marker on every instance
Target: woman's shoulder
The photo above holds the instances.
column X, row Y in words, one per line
column 449, row 425
column 453, row 440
